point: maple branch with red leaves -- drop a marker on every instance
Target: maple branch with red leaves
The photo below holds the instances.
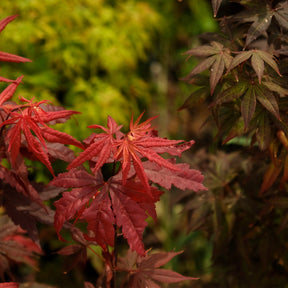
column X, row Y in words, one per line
column 114, row 196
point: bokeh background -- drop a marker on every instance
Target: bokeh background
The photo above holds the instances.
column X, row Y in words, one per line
column 108, row 57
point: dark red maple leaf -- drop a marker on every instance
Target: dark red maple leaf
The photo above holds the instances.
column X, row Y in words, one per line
column 103, row 205
column 9, row 285
column 130, row 216
column 88, row 285
column 146, row 272
column 75, row 201
column 14, row 246
column 100, row 219
column 26, row 211
column 18, row 180
column 76, row 256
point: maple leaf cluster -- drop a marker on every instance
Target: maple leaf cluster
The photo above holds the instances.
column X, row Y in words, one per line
column 146, row 271
column 247, row 74
column 114, row 195
column 244, row 73
column 127, row 197
column 15, row 247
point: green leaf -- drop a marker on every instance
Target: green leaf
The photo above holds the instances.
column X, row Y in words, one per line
column 227, row 119
column 216, row 5
column 276, row 88
column 230, row 94
column 258, row 56
column 281, row 14
column 241, row 57
column 195, row 98
column 258, row 65
column 268, row 58
column 268, row 101
column 201, row 51
column 281, row 124
column 283, row 50
column 216, row 72
column 248, row 106
column 227, row 58
column 263, row 132
column 258, row 27
column 201, row 66
column 236, row 130
column 219, row 58
column 281, row 18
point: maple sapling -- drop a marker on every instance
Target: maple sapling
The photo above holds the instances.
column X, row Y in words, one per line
column 126, row 198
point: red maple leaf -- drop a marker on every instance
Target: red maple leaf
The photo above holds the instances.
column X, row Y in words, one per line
column 9, row 285
column 9, row 91
column 135, row 190
column 3, row 79
column 30, row 119
column 146, row 272
column 6, row 56
column 184, row 178
column 77, row 256
column 130, row 149
column 131, row 217
column 121, row 200
column 140, row 143
column 100, row 145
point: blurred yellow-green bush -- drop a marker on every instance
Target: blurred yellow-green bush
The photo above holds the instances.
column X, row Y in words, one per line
column 95, row 56
column 85, row 54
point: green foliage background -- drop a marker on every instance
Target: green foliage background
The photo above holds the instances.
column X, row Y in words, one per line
column 85, row 54
column 95, row 56
column 111, row 58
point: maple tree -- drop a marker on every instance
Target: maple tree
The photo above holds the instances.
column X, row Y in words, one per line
column 241, row 77
column 113, row 195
